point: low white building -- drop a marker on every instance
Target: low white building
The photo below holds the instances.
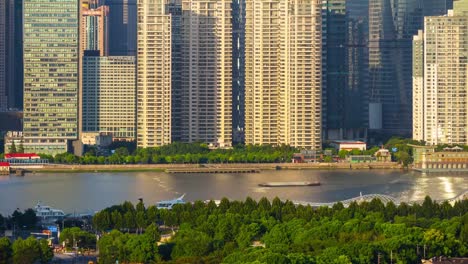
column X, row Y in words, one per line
column 348, row 145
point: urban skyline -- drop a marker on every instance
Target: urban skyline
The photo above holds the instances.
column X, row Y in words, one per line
column 222, row 72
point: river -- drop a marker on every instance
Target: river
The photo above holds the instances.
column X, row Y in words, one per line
column 88, row 192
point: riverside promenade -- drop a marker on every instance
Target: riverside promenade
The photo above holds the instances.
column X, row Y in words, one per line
column 226, row 168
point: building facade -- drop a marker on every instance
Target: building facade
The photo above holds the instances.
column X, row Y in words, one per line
column 346, row 69
column 3, row 57
column 109, row 96
column 283, row 73
column 51, row 69
column 11, row 55
column 94, row 33
column 418, row 86
column 185, row 50
column 122, row 27
column 392, row 25
column 440, row 61
column 154, row 84
column 207, row 71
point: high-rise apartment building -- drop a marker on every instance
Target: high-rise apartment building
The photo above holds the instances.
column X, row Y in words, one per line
column 184, row 72
column 122, row 27
column 283, row 73
column 51, row 69
column 440, row 78
column 207, row 71
column 418, row 86
column 154, row 87
column 109, row 96
column 94, row 33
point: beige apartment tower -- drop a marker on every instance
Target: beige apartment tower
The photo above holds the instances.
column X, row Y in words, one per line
column 207, row 72
column 283, row 72
column 184, row 72
column 440, row 83
column 153, row 74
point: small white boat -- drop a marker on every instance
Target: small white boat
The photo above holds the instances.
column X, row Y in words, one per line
column 170, row 203
column 48, row 214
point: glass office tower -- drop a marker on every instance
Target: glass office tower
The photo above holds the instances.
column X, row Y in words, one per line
column 51, row 85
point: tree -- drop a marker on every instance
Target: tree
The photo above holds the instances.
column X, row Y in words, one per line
column 6, row 251
column 47, row 252
column 76, row 236
column 12, row 148
column 26, row 251
column 191, row 243
column 21, row 147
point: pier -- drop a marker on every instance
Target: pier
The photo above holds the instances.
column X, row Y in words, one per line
column 382, row 197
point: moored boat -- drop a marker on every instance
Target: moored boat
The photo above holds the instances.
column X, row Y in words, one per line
column 170, row 203
column 47, row 214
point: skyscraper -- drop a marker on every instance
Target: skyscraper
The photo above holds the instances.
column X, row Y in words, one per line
column 3, row 58
column 109, row 85
column 154, row 87
column 440, row 78
column 11, row 55
column 392, row 25
column 207, row 71
column 418, row 86
column 94, row 33
column 122, row 27
column 283, row 73
column 51, row 67
column 188, row 55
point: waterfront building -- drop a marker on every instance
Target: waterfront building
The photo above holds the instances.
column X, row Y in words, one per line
column 283, row 73
column 122, row 27
column 109, row 96
column 188, row 58
column 440, row 78
column 4, row 168
column 207, row 72
column 348, row 145
column 428, row 159
column 51, row 75
column 94, row 33
column 154, row 87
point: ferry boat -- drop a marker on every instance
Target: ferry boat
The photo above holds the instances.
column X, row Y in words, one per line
column 48, row 214
column 170, row 203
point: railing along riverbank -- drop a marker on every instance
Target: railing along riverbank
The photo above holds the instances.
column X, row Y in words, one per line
column 204, row 168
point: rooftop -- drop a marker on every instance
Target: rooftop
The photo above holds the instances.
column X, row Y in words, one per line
column 21, row 156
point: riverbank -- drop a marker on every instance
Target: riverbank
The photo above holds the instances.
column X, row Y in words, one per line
column 199, row 168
